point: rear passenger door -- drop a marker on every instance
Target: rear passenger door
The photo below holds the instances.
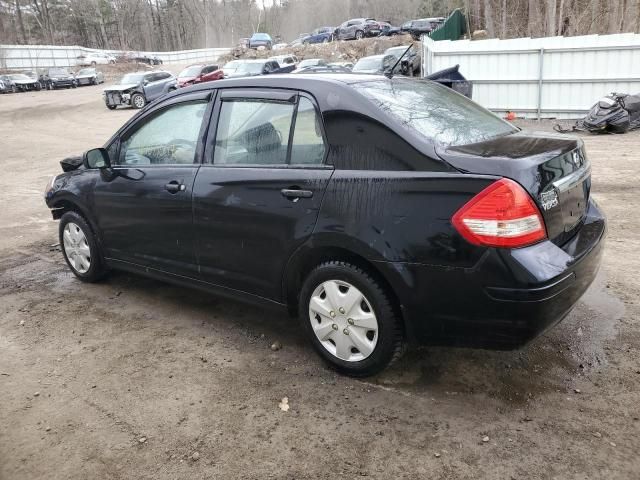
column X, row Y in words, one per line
column 258, row 193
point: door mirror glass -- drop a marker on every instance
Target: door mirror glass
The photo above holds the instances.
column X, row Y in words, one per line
column 97, row 158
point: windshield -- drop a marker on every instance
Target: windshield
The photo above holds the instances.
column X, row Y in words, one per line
column 260, row 36
column 19, row 76
column 250, row 67
column 86, row 71
column 190, row 71
column 371, row 63
column 131, row 78
column 435, row 111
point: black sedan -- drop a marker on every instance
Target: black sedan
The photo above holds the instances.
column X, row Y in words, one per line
column 58, row 77
column 380, row 211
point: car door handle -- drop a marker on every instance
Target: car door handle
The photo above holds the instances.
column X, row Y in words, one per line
column 174, row 187
column 295, row 193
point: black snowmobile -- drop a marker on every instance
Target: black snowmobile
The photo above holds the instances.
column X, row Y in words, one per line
column 615, row 113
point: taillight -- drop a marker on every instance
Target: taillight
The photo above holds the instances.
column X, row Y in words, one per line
column 501, row 215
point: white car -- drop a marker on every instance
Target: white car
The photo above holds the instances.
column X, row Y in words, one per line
column 92, row 59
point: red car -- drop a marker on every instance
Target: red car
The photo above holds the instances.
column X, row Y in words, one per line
column 199, row 74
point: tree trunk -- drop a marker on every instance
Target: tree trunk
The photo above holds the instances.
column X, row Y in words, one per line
column 551, row 17
column 503, row 23
column 21, row 22
column 488, row 19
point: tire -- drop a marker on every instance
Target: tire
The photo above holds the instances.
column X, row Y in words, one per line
column 14, row 89
column 80, row 248
column 112, row 62
column 325, row 40
column 74, row 85
column 111, row 107
column 359, row 35
column 93, row 64
column 94, row 81
column 379, row 346
column 138, row 101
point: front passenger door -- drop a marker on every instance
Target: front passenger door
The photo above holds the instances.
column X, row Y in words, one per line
column 143, row 204
column 258, row 195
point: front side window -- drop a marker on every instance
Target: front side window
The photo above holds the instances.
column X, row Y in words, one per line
column 434, row 111
column 168, row 138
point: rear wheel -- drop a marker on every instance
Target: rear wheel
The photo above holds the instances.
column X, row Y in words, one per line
column 138, row 100
column 350, row 319
column 80, row 248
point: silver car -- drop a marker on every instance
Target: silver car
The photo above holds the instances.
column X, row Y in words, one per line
column 89, row 76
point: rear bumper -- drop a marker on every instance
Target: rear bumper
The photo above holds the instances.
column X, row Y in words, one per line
column 508, row 298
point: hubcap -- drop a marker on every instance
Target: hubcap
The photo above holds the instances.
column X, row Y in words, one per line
column 343, row 320
column 139, row 101
column 76, row 247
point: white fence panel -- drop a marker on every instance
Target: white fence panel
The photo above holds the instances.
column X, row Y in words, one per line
column 553, row 77
column 24, row 57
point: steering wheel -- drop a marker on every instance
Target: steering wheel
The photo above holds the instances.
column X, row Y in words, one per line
column 182, row 142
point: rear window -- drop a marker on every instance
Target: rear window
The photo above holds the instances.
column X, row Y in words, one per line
column 435, row 111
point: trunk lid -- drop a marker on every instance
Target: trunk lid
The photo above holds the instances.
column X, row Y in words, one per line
column 554, row 170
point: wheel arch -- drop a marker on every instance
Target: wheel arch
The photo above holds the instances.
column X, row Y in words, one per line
column 306, row 258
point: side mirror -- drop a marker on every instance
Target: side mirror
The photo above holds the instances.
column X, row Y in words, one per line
column 96, row 158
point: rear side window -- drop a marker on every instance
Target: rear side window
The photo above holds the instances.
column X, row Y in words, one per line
column 258, row 132
column 307, row 147
column 253, row 132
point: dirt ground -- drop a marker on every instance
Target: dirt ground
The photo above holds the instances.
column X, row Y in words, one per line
column 130, row 378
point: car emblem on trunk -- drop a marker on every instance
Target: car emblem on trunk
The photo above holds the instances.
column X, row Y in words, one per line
column 549, row 199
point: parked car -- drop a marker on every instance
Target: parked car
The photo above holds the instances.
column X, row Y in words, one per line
column 387, row 226
column 310, row 62
column 6, row 85
column 258, row 40
column 58, row 77
column 411, row 60
column 388, row 30
column 22, row 83
column 89, row 76
column 320, row 35
column 285, row 60
column 347, row 65
column 93, row 59
column 138, row 89
column 231, row 67
column 141, row 58
column 287, row 63
column 199, row 74
column 375, row 64
column 250, row 68
column 356, row 29
column 300, row 40
column 423, row 26
column 280, row 46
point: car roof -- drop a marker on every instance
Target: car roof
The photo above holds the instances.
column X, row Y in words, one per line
column 376, row 57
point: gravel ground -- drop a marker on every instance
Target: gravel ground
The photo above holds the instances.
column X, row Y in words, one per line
column 133, row 378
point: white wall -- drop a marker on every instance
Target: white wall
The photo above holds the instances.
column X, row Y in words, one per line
column 554, row 77
column 44, row 56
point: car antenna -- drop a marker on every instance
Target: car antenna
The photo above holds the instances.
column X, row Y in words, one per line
column 389, row 74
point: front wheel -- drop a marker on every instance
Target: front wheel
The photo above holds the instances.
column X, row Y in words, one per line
column 111, row 107
column 138, row 100
column 359, row 35
column 80, row 248
column 350, row 319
